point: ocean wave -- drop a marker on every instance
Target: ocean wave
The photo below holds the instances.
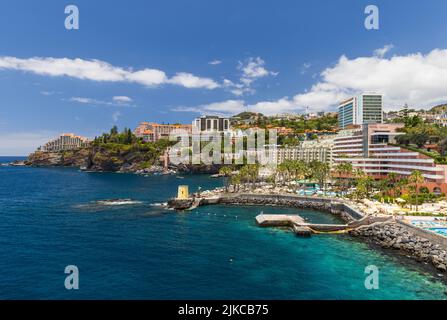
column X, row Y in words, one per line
column 159, row 204
column 117, row 202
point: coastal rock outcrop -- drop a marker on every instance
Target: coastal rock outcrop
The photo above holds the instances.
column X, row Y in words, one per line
column 198, row 168
column 75, row 158
column 95, row 159
column 398, row 237
column 180, row 204
column 101, row 159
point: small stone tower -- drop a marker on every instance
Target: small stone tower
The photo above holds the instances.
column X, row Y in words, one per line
column 183, row 192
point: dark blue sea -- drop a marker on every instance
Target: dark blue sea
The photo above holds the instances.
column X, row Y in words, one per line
column 51, row 218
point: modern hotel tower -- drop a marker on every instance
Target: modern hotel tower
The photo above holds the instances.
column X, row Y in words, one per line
column 366, row 108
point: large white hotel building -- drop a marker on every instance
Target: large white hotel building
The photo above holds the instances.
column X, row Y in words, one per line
column 65, row 142
column 369, row 145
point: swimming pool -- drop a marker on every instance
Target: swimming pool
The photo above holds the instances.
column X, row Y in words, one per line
column 441, row 231
column 429, row 224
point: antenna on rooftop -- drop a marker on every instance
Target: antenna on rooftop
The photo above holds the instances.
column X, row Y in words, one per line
column 405, row 110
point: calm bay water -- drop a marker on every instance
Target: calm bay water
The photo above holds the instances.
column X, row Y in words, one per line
column 50, row 218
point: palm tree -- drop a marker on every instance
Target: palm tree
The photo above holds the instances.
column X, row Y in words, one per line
column 253, row 174
column 302, row 170
column 320, row 172
column 287, row 166
column 281, row 172
column 384, row 187
column 400, row 185
column 364, row 184
column 298, row 171
column 245, row 175
column 226, row 172
column 416, row 178
column 391, row 180
column 236, row 181
column 323, row 175
column 344, row 169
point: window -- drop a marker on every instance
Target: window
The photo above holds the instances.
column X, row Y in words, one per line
column 437, row 191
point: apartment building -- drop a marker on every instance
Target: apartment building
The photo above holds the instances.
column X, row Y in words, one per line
column 211, row 124
column 152, row 132
column 440, row 120
column 307, row 151
column 65, row 142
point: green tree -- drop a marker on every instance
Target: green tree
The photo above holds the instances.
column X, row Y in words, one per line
column 364, row 185
column 114, row 131
column 236, row 180
column 415, row 180
column 281, row 173
column 320, row 172
column 226, row 172
column 344, row 171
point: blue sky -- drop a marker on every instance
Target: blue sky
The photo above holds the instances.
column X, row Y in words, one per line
column 169, row 61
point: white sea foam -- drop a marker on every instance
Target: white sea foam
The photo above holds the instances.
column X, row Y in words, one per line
column 159, row 204
column 118, row 202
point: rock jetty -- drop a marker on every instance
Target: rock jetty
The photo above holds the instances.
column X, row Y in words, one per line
column 320, row 204
column 398, row 237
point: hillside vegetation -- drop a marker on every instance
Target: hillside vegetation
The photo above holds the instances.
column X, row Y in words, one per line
column 113, row 151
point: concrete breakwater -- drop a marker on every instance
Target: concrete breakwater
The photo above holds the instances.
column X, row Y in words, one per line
column 336, row 207
column 352, row 217
column 331, row 206
column 390, row 235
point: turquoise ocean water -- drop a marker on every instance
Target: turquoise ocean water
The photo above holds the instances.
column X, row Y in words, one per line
column 50, row 218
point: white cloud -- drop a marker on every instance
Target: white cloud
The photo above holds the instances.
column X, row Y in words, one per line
column 252, row 69
column 215, row 62
column 417, row 79
column 380, row 53
column 283, row 105
column 122, row 99
column 187, row 109
column 147, row 77
column 48, row 93
column 96, row 70
column 84, row 100
column 229, row 107
column 118, row 101
column 232, row 107
column 189, row 80
column 22, row 144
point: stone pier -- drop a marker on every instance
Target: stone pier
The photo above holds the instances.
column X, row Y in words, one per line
column 297, row 224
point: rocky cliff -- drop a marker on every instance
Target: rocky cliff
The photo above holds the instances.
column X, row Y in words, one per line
column 113, row 158
column 95, row 159
column 76, row 158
